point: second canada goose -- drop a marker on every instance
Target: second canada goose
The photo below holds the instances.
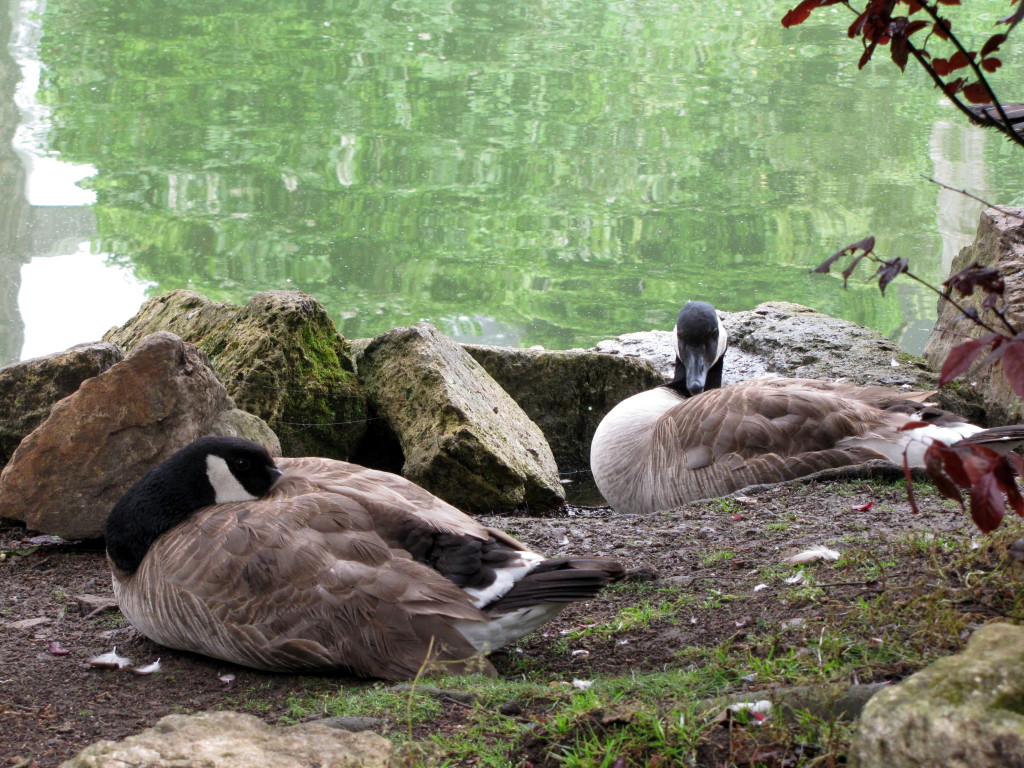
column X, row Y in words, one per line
column 315, row 564
column 691, row 439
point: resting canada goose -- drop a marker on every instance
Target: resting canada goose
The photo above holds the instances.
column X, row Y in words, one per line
column 691, row 439
column 315, row 564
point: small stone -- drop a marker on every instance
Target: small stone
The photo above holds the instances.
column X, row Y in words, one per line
column 510, row 708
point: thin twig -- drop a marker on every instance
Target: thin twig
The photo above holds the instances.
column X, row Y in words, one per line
column 974, row 197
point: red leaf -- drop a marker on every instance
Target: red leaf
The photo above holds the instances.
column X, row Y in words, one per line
column 941, row 67
column 914, row 425
column 979, row 462
column 865, row 245
column 801, row 13
column 1014, row 17
column 953, row 86
column 899, row 51
column 949, row 2
column 913, row 26
column 991, row 64
column 986, row 503
column 958, row 61
column 1007, row 478
column 992, row 45
column 977, row 93
column 1013, row 365
column 849, row 270
column 889, row 271
column 941, row 29
column 949, row 462
column 959, row 360
column 862, row 507
column 933, row 465
column 866, row 56
column 57, row 649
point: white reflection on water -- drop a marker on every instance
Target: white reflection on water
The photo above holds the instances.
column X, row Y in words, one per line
column 74, row 298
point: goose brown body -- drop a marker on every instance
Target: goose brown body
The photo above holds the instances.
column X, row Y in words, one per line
column 343, row 567
column 660, row 449
column 692, row 439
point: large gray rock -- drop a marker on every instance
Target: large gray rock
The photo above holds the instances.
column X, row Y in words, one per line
column 236, row 740
column 30, row 388
column 999, row 243
column 963, row 711
column 784, row 339
column 658, row 348
column 801, row 342
column 567, row 393
column 280, row 357
column 462, row 437
column 67, row 474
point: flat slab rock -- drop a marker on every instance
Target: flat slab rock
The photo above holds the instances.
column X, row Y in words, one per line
column 235, row 740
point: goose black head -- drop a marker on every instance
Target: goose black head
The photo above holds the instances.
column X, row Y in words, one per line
column 700, row 347
column 212, row 470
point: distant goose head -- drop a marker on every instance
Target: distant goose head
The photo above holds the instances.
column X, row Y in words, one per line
column 211, row 470
column 700, row 346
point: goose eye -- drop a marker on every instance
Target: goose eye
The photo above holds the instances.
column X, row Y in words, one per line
column 242, row 464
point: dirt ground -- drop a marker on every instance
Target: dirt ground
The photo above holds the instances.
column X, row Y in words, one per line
column 53, row 703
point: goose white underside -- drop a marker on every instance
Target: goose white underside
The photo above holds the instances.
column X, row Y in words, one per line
column 914, row 442
column 505, row 628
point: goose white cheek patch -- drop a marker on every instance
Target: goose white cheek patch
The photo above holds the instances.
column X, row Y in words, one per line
column 226, row 487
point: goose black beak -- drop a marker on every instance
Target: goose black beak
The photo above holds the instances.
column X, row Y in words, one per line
column 696, row 364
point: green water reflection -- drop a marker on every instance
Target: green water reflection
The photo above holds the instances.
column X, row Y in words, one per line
column 523, row 172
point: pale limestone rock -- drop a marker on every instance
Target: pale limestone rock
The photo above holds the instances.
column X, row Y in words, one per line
column 235, row 740
column 800, row 342
column 778, row 338
column 461, row 435
column 963, row 711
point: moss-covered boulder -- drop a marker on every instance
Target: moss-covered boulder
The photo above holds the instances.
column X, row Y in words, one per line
column 461, row 435
column 280, row 357
column 566, row 393
column 30, row 388
column 964, row 710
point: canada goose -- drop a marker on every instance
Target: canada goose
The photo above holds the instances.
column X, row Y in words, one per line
column 316, row 564
column 691, row 439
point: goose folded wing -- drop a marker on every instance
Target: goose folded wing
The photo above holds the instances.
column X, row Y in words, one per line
column 309, row 589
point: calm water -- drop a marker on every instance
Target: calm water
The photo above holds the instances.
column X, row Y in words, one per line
column 518, row 172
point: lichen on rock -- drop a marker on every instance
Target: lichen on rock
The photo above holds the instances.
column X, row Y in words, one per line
column 280, row 357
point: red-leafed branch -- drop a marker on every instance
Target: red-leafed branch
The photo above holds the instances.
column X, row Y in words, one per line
column 877, row 26
column 988, row 476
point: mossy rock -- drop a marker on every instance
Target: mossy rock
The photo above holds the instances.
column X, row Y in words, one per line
column 963, row 710
column 280, row 357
